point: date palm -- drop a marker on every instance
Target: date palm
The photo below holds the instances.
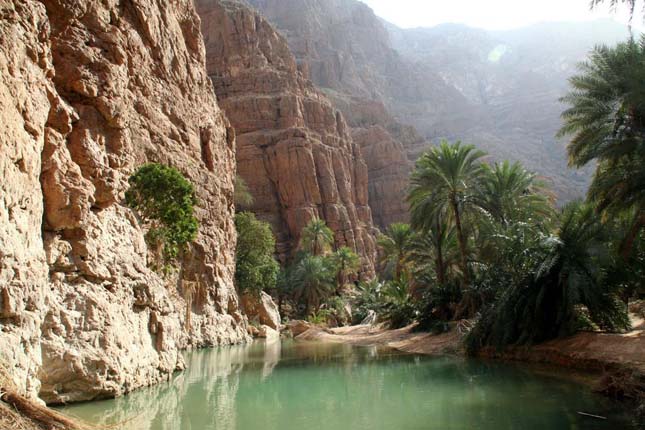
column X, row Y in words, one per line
column 317, row 238
column 394, row 246
column 606, row 119
column 436, row 245
column 346, row 263
column 510, row 193
column 445, row 180
column 313, row 281
column 568, row 272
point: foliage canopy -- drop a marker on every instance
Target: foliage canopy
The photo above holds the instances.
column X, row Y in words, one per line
column 164, row 198
column 256, row 268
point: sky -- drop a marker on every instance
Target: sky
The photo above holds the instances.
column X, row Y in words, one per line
column 490, row 14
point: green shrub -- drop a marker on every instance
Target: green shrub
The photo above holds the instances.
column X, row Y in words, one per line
column 369, row 299
column 439, row 305
column 164, row 199
column 569, row 274
column 256, row 268
column 400, row 313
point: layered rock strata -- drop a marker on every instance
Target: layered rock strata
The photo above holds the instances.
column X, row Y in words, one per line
column 294, row 149
column 343, row 48
column 89, row 91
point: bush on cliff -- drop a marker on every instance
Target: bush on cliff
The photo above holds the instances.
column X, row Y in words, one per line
column 165, row 200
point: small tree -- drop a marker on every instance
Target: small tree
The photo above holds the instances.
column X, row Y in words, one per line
column 317, row 238
column 395, row 247
column 313, row 281
column 346, row 263
column 164, row 199
column 242, row 196
column 256, row 268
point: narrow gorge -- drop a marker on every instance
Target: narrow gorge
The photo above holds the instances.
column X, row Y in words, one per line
column 93, row 90
column 292, row 214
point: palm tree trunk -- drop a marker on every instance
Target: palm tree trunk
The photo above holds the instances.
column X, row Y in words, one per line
column 628, row 243
column 397, row 269
column 462, row 242
column 439, row 267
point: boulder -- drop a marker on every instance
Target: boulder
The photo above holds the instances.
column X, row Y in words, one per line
column 297, row 327
column 266, row 332
column 260, row 308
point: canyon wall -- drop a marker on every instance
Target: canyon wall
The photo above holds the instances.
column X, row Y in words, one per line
column 345, row 50
column 498, row 90
column 89, row 91
column 294, row 150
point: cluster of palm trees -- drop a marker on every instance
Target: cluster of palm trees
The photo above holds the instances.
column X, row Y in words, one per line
column 485, row 242
column 318, row 272
column 459, row 208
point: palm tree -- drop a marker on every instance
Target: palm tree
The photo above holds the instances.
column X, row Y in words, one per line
column 445, row 180
column 316, row 237
column 346, row 263
column 607, row 120
column 619, row 190
column 437, row 245
column 313, row 281
column 394, row 247
column 510, row 193
column 569, row 272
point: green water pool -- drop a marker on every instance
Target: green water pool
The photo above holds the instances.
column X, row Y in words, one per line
column 308, row 386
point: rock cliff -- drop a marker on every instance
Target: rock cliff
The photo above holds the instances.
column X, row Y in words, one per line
column 346, row 51
column 498, row 90
column 90, row 90
column 294, row 149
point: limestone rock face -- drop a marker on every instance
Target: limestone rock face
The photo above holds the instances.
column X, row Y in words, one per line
column 294, row 149
column 388, row 170
column 346, row 51
column 262, row 309
column 89, row 91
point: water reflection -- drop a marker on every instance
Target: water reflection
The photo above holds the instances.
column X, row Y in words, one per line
column 320, row 386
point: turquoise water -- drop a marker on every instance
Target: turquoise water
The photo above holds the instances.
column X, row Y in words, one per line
column 307, row 386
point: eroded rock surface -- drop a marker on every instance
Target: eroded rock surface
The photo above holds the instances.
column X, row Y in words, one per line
column 294, row 149
column 89, row 91
column 344, row 49
column 261, row 309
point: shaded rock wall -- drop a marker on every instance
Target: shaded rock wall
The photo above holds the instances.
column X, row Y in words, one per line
column 346, row 51
column 294, row 149
column 90, row 90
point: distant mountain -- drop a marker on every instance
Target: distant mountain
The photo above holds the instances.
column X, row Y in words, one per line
column 512, row 81
column 498, row 90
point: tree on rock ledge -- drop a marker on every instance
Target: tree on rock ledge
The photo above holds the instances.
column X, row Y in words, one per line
column 165, row 200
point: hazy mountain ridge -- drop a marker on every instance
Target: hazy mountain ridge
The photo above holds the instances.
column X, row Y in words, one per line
column 498, row 90
column 512, row 81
